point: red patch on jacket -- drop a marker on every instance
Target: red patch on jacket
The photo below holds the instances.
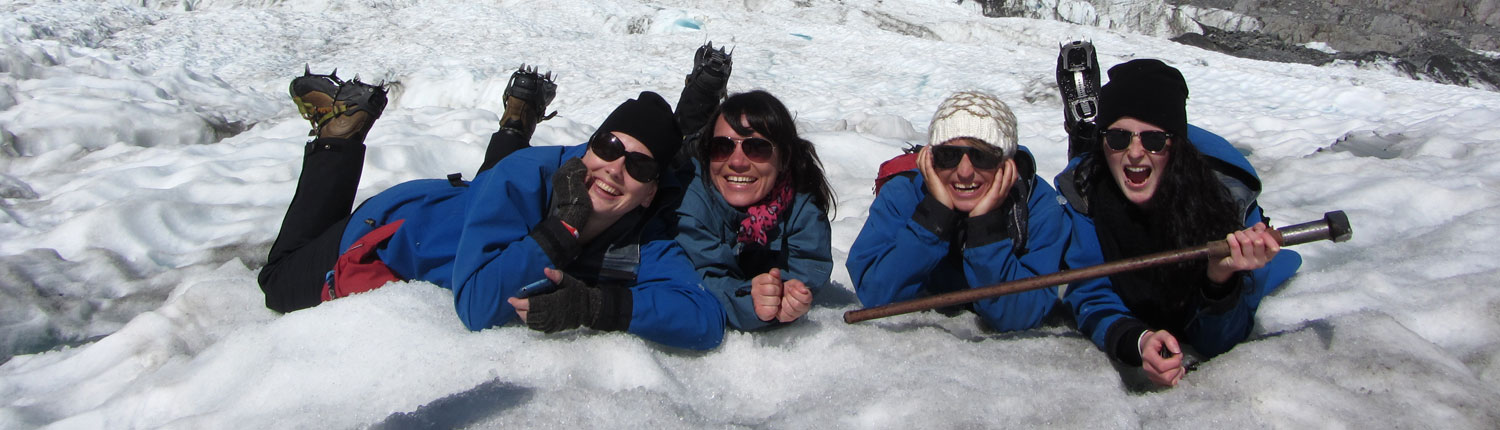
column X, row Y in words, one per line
column 359, row 268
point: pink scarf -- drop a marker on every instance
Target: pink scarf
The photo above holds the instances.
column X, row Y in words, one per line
column 763, row 214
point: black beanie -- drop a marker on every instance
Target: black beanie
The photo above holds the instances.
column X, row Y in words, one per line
column 1148, row 90
column 648, row 118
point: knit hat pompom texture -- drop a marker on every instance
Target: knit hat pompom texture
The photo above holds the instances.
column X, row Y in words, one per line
column 1148, row 90
column 649, row 119
column 975, row 115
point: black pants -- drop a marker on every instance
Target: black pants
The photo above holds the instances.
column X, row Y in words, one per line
column 313, row 228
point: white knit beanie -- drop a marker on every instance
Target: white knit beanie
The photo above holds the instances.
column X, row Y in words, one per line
column 975, row 115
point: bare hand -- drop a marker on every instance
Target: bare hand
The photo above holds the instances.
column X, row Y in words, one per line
column 930, row 177
column 796, row 299
column 522, row 307
column 1249, row 249
column 1164, row 372
column 1005, row 178
column 765, row 293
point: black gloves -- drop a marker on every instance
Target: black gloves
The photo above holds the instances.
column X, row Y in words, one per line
column 577, row 304
column 570, row 194
column 711, row 69
column 571, row 208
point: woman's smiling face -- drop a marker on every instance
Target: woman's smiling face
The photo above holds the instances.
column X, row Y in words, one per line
column 742, row 181
column 611, row 189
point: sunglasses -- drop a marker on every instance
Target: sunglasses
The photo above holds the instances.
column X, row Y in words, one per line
column 948, row 157
column 1153, row 141
column 756, row 149
column 608, row 147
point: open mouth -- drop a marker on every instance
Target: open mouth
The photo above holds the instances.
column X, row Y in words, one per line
column 607, row 188
column 1137, row 175
column 740, row 179
column 966, row 187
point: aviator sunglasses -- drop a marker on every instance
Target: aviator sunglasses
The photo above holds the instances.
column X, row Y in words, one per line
column 759, row 150
column 948, row 157
column 1153, row 141
column 608, row 147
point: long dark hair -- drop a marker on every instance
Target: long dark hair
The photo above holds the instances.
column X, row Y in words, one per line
column 1190, row 201
column 1190, row 207
column 769, row 117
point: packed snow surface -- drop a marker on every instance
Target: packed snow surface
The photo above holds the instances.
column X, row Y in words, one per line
column 147, row 155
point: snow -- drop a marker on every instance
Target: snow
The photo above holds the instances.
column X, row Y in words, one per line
column 1320, row 46
column 147, row 154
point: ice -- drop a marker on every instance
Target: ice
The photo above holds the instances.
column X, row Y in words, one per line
column 148, row 151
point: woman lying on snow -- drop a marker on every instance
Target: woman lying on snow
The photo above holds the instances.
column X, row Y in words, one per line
column 753, row 219
column 971, row 213
column 581, row 217
column 1153, row 183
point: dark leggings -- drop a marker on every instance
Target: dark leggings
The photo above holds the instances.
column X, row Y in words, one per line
column 502, row 143
column 313, row 228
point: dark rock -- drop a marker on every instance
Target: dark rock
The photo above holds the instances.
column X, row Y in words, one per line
column 1431, row 40
column 1370, row 25
column 1436, row 59
column 1253, row 45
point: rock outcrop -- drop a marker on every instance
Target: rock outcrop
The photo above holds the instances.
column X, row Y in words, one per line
column 1449, row 41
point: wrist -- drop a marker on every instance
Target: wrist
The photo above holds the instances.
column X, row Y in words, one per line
column 612, row 309
column 1218, row 275
column 558, row 240
column 986, row 229
column 1140, row 344
column 1118, row 340
column 937, row 218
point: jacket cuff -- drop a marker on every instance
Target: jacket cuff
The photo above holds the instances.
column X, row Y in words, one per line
column 612, row 313
column 1220, row 298
column 986, row 229
column 1123, row 340
column 557, row 241
column 936, row 218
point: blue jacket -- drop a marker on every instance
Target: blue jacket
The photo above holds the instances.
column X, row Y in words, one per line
column 473, row 239
column 707, row 227
column 1101, row 313
column 906, row 251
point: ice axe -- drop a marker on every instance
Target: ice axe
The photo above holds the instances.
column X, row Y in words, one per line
column 1334, row 226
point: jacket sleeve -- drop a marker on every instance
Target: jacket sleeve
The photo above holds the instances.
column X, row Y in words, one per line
column 898, row 248
column 809, row 242
column 668, row 305
column 714, row 258
column 996, row 262
column 495, row 255
column 1097, row 308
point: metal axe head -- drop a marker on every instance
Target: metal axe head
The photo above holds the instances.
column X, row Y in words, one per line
column 1339, row 229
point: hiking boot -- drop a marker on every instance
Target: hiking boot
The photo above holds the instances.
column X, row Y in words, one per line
column 526, row 98
column 337, row 108
column 711, row 68
column 1078, row 81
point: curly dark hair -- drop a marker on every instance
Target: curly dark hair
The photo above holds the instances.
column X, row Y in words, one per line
column 1200, row 207
column 1189, row 208
column 768, row 116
